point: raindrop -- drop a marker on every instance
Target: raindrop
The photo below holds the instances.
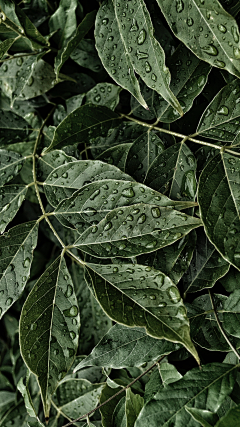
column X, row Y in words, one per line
column 95, row 194
column 72, row 312
column 105, row 21
column 141, row 37
column 5, row 67
column 148, row 67
column 201, row 81
column 174, row 294
column 20, row 200
column 179, row 6
column 65, row 175
column 128, row 192
column 94, row 229
column 162, row 304
column 154, row 77
column 69, row 291
column 222, row 28
column 134, row 26
column 236, row 52
column 142, row 219
column 115, row 270
column 97, row 98
column 152, row 244
column 72, row 335
column 122, row 246
column 141, row 55
column 190, row 22
column 152, row 297
column 223, row 110
column 19, row 61
column 55, row 175
column 30, row 81
column 210, row 50
column 33, row 326
column 129, row 218
column 156, row 213
column 232, row 161
column 90, row 211
column 235, row 34
column 26, row 263
column 9, row 301
column 219, row 64
column 108, row 226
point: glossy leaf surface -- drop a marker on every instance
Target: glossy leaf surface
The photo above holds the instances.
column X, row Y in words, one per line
column 11, row 199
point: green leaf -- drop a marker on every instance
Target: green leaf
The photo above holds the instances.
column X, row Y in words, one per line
column 107, row 410
column 86, row 205
column 11, row 165
column 46, row 350
column 76, row 397
column 123, row 347
column 11, row 198
column 16, row 252
column 116, row 156
column 172, row 260
column 66, row 179
column 168, row 373
column 149, row 228
column 81, row 124
column 197, row 388
column 231, row 314
column 17, row 79
column 142, row 154
column 178, row 165
column 5, row 45
column 72, row 42
column 204, row 417
column 74, row 102
column 85, row 54
column 206, row 268
column 231, row 419
column 13, row 128
column 135, row 46
column 105, row 94
column 133, row 405
column 220, row 120
column 158, row 308
column 219, row 205
column 64, row 21
column 51, row 161
column 218, row 34
column 30, row 31
column 28, row 402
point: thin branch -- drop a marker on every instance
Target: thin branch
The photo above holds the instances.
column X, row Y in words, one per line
column 119, row 392
column 220, row 326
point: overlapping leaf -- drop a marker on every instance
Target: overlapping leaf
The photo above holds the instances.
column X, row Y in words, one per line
column 94, row 201
column 82, row 123
column 85, row 54
column 16, row 252
column 46, row 350
column 104, row 94
column 222, row 116
column 10, row 166
column 135, row 47
column 13, row 128
column 218, row 34
column 123, row 347
column 218, row 197
column 136, row 295
column 196, row 388
column 116, row 156
column 134, row 230
column 11, row 198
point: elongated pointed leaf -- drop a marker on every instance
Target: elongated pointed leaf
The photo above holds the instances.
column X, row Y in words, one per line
column 63, row 21
column 65, row 180
column 206, row 268
column 133, row 405
column 46, row 350
column 218, row 197
column 73, row 41
column 218, row 34
column 123, row 347
column 168, row 373
column 85, row 54
column 222, row 116
column 104, row 94
column 149, row 228
column 107, row 410
column 13, row 128
column 24, row 77
column 142, row 154
column 5, row 45
column 206, row 418
column 76, row 397
column 34, row 421
column 126, row 300
column 177, row 166
column 10, row 166
column 231, row 419
column 82, row 123
column 134, row 45
column 86, row 205
column 16, row 252
column 11, row 198
column 231, row 314
column 51, row 161
column 116, row 156
column 168, row 405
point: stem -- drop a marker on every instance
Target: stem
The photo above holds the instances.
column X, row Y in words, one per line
column 220, row 326
column 179, row 135
column 119, row 392
column 18, row 56
column 75, row 258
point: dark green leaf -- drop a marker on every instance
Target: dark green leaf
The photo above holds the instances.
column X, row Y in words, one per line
column 85, row 54
column 204, row 417
column 231, row 419
column 133, row 405
column 14, row 131
column 11, row 198
column 104, row 94
column 10, row 166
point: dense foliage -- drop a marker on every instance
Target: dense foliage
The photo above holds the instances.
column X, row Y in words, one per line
column 120, row 213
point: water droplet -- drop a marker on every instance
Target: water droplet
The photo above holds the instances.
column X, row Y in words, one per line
column 235, row 34
column 210, row 50
column 5, row 67
column 174, row 294
column 142, row 219
column 90, row 211
column 148, row 67
column 108, row 226
column 6, row 207
column 30, row 81
column 135, row 211
column 55, row 175
column 162, row 304
column 232, row 161
column 34, row 326
column 72, row 312
column 219, row 64
column 223, row 110
column 179, row 6
column 95, row 194
column 141, row 37
column 65, row 175
column 72, row 335
column 236, row 52
column 156, row 213
column 105, row 21
column 190, row 22
column 26, row 263
column 122, row 246
column 152, row 244
column 222, row 28
column 9, row 301
column 97, row 98
column 182, row 312
column 19, row 61
column 69, row 291
column 141, row 55
column 154, row 77
column 201, row 81
column 134, row 26
column 129, row 218
column 94, row 229
column 128, row 192
column 115, row 269
column 152, row 297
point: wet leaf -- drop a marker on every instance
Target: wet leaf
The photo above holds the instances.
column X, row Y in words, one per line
column 46, row 350
column 85, row 54
column 135, row 47
column 10, row 166
column 123, row 347
column 63, row 21
column 166, row 406
column 116, row 156
column 159, row 308
column 14, row 132
column 11, row 199
column 16, row 252
column 230, row 419
column 206, row 418
column 104, row 94
column 218, row 34
column 133, row 405
column 82, row 123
